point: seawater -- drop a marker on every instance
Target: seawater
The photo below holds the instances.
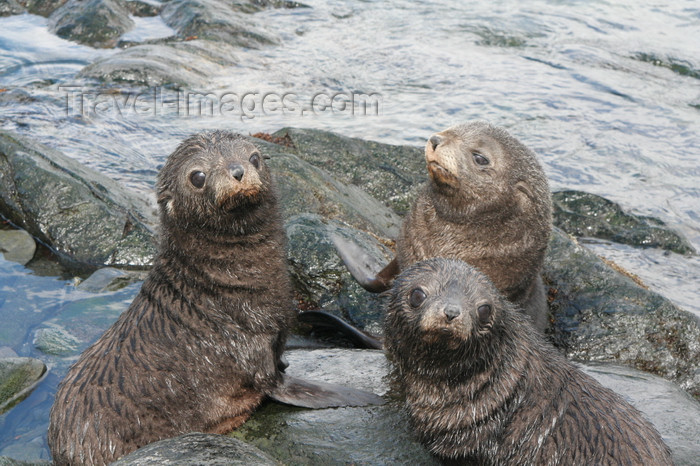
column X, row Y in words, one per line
column 606, row 93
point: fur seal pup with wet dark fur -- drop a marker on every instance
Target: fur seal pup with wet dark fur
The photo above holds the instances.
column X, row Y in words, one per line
column 201, row 344
column 483, row 388
column 487, row 203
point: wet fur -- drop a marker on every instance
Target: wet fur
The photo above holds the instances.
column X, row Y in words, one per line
column 197, row 350
column 494, row 393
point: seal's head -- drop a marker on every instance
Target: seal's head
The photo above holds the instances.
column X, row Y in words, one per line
column 213, row 181
column 440, row 305
column 476, row 165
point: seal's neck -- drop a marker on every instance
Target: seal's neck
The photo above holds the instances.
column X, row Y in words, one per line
column 463, row 209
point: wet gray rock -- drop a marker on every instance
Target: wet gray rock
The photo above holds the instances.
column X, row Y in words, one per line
column 381, row 434
column 10, row 7
column 197, row 448
column 601, row 314
column 320, row 279
column 304, row 188
column 390, row 173
column 18, row 377
column 84, row 216
column 17, row 246
column 215, row 20
column 674, row 414
column 370, row 435
column 97, row 23
column 41, row 7
column 583, row 214
column 189, row 64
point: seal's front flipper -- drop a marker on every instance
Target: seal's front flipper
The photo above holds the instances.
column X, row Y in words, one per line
column 359, row 264
column 317, row 395
column 325, row 320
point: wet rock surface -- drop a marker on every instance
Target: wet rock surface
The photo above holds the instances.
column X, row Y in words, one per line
column 97, row 23
column 215, row 20
column 18, row 377
column 84, row 216
column 41, row 7
column 189, row 63
column 200, row 449
column 390, row 173
column 583, row 214
column 600, row 314
column 381, row 435
column 10, row 7
column 304, row 188
column 320, row 279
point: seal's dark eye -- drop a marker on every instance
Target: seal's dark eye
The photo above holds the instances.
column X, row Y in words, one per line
column 197, row 179
column 255, row 160
column 480, row 159
column 417, row 297
column 484, row 312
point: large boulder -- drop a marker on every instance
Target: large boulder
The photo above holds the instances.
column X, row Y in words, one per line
column 390, row 173
column 602, row 314
column 84, row 216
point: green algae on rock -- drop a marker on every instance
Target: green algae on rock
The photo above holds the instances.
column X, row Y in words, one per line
column 584, row 214
column 18, row 377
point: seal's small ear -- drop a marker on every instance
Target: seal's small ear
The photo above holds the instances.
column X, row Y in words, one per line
column 524, row 195
column 165, row 199
column 266, row 157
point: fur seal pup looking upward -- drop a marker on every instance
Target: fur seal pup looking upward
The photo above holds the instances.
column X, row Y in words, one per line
column 483, row 388
column 201, row 344
column 487, row 203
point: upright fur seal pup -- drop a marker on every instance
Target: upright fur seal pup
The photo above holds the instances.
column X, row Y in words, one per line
column 482, row 387
column 201, row 344
column 487, row 203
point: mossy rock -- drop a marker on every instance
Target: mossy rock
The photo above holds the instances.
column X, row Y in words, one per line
column 18, row 377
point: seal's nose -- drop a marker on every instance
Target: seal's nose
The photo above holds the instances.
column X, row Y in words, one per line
column 236, row 170
column 451, row 311
column 435, row 141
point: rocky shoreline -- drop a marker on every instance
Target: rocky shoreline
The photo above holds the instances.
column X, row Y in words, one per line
column 94, row 226
column 598, row 313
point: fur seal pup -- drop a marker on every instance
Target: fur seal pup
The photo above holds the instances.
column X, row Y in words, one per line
column 482, row 387
column 201, row 344
column 487, row 203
